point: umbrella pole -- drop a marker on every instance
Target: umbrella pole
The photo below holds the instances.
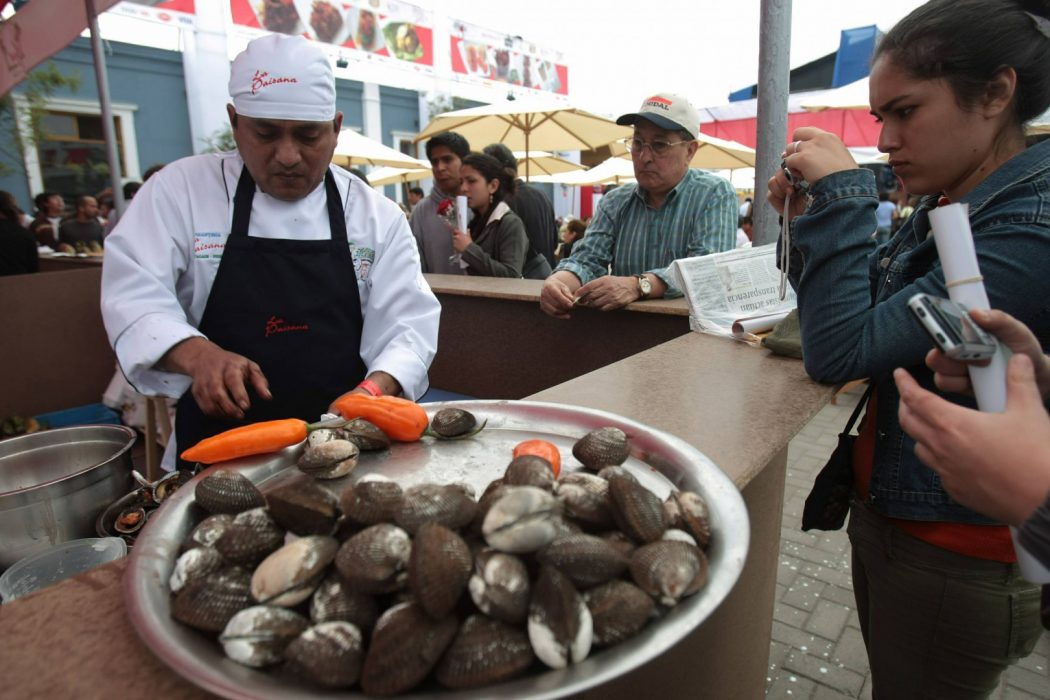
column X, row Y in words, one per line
column 107, row 110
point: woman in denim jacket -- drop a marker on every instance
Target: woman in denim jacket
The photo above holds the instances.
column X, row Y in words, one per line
column 942, row 607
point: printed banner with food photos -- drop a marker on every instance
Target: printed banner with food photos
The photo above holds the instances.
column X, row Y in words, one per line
column 177, row 13
column 487, row 55
column 387, row 28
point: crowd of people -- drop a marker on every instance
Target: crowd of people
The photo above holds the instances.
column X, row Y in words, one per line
column 228, row 264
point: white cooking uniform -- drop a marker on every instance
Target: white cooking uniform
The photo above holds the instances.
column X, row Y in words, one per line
column 162, row 257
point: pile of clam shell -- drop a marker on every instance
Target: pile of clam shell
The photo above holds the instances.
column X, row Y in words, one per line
column 385, row 587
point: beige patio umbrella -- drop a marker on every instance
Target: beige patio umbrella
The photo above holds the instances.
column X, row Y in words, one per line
column 713, row 154
column 528, row 125
column 356, row 149
column 544, row 163
column 397, row 176
column 612, row 171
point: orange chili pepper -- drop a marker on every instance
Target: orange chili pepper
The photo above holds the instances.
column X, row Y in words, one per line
column 400, row 419
column 253, row 439
column 544, row 450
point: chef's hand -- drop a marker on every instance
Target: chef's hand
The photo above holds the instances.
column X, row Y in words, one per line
column 952, row 375
column 556, row 297
column 461, row 240
column 220, row 378
column 812, row 155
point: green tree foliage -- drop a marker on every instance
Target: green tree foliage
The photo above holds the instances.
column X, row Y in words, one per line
column 21, row 122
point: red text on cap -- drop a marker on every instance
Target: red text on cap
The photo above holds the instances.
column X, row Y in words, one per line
column 262, row 79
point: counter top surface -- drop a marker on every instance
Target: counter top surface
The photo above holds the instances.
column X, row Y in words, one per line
column 529, row 290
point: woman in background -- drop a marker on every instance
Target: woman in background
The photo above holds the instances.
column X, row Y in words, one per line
column 574, row 231
column 495, row 243
column 943, row 609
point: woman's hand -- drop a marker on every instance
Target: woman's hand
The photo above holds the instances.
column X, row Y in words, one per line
column 461, row 240
column 952, row 376
column 812, row 155
column 995, row 463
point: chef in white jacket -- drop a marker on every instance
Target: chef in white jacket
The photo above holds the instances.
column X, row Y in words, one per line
column 267, row 281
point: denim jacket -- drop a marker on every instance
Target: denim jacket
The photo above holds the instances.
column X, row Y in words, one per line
column 852, row 301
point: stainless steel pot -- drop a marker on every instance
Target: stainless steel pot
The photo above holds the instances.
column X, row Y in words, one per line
column 53, row 485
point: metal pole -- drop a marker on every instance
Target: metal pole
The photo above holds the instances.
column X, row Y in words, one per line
column 774, row 55
column 107, row 111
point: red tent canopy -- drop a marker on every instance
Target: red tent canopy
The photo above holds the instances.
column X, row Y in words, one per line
column 856, row 127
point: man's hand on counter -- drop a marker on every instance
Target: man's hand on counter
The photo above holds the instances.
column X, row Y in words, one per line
column 220, row 378
column 610, row 292
column 556, row 297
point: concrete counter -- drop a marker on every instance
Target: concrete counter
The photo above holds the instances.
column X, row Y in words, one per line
column 739, row 405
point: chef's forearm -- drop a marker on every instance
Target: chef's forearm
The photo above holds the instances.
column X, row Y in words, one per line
column 386, row 383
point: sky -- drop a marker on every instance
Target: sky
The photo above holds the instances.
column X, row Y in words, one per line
column 618, row 52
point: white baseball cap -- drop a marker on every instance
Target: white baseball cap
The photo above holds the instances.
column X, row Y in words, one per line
column 283, row 77
column 667, row 111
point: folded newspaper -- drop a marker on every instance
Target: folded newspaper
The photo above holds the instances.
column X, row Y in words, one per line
column 735, row 293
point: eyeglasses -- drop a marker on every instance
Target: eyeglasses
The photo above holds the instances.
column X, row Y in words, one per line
column 658, row 147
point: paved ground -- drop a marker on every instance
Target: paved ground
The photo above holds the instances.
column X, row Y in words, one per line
column 817, row 651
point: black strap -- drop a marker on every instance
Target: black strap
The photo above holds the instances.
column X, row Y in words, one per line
column 856, row 411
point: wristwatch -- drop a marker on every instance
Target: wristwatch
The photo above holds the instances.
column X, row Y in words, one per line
column 645, row 287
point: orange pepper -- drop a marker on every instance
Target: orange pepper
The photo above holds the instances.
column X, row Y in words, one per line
column 543, row 449
column 253, row 439
column 400, row 419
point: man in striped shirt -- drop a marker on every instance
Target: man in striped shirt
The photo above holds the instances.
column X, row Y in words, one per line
column 638, row 230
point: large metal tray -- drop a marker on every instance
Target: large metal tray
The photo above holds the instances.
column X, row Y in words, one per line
column 661, row 461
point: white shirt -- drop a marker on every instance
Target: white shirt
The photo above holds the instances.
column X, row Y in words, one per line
column 162, row 257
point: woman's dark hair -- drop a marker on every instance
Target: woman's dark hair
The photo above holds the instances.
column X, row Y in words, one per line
column 490, row 169
column 967, row 42
column 577, row 227
column 9, row 207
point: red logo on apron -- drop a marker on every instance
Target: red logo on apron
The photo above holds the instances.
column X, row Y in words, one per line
column 279, row 325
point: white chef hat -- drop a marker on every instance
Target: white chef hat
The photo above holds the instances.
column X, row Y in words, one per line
column 283, row 77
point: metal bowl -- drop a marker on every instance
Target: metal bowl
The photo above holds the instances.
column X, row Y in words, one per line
column 53, row 485
column 659, row 460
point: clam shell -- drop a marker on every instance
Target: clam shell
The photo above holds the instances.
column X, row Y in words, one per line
column 586, row 560
column 688, row 511
column 321, row 435
column 130, row 520
column 524, row 519
column 585, row 498
column 560, row 625
column 406, row 644
column 250, row 538
column 673, row 533
column 375, row 560
column 602, row 447
column 227, row 491
column 438, row 569
column 371, row 501
column 194, row 564
column 637, row 510
column 334, row 601
column 608, row 473
column 303, row 507
column 452, row 422
column 257, row 636
column 208, row 603
column 208, row 531
column 291, row 574
column 484, row 651
column 329, row 460
column 366, row 435
column 493, row 492
column 622, row 542
column 619, row 610
column 328, row 654
column 446, row 504
column 669, row 570
column 499, row 586
column 529, row 470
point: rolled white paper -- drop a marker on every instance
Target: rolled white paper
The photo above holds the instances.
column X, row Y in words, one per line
column 461, row 212
column 954, row 240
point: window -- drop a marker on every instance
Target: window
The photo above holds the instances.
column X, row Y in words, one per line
column 403, row 143
column 71, row 156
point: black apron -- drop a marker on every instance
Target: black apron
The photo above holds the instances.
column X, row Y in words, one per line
column 292, row 307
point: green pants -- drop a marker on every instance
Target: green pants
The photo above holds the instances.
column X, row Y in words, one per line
column 936, row 624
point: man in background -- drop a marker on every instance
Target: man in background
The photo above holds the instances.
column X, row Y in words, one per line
column 84, row 227
column 49, row 209
column 415, row 196
column 640, row 229
column 433, row 236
